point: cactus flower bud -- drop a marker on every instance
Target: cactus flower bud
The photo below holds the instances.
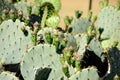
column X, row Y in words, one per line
column 89, row 15
column 56, row 43
column 73, row 61
column 20, row 14
column 62, row 60
column 90, row 29
column 63, row 43
column 4, row 14
column 66, row 70
column 48, row 37
column 78, row 14
column 115, row 44
column 12, row 14
column 77, row 65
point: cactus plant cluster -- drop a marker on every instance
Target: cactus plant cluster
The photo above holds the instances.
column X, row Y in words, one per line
column 37, row 49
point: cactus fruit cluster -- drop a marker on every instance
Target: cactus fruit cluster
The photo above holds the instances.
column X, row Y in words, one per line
column 33, row 47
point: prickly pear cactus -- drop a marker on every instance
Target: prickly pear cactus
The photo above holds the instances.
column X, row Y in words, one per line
column 86, row 74
column 23, row 6
column 14, row 41
column 80, row 25
column 108, row 21
column 41, row 56
column 95, row 46
column 7, row 76
column 48, row 29
column 71, row 41
column 55, row 3
column 81, row 40
column 114, row 58
column 115, row 38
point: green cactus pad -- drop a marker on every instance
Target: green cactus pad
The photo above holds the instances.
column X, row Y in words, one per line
column 41, row 56
column 96, row 47
column 14, row 42
column 81, row 40
column 71, row 41
column 86, row 74
column 108, row 21
column 80, row 25
column 7, row 76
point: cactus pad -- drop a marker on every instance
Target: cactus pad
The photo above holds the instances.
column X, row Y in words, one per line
column 14, row 41
column 108, row 21
column 80, row 25
column 41, row 56
column 85, row 74
column 7, row 76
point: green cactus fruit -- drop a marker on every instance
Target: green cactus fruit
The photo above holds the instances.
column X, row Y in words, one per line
column 108, row 21
column 73, row 62
column 34, row 38
column 80, row 25
column 101, row 4
column 66, row 70
column 89, row 15
column 85, row 74
column 56, row 43
column 106, row 3
column 62, row 59
column 4, row 14
column 77, row 65
column 78, row 14
column 7, row 76
column 34, row 58
column 50, row 30
column 63, row 43
column 94, row 19
column 68, row 20
column 90, row 29
column 15, row 42
column 49, row 37
column 12, row 14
